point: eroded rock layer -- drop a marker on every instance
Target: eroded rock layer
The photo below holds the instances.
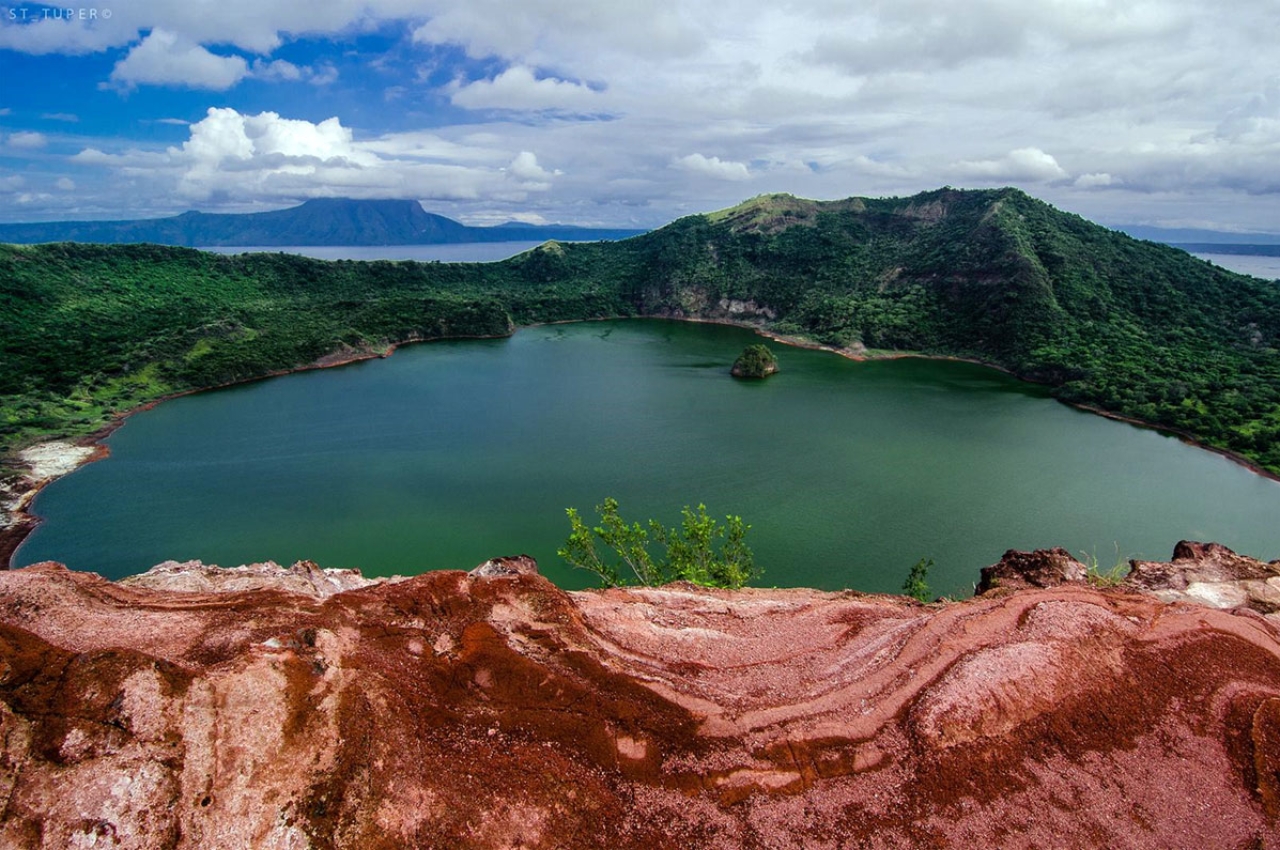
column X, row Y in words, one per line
column 492, row 710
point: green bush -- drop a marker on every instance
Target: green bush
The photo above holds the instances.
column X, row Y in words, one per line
column 916, row 586
column 689, row 552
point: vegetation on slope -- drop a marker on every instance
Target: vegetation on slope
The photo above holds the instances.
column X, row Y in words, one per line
column 1133, row 328
column 91, row 331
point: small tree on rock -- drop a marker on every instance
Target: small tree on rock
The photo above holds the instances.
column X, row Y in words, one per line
column 916, row 586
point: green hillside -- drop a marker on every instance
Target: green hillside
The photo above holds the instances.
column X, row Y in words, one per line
column 1135, row 328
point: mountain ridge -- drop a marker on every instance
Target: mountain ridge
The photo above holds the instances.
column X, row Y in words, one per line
column 319, row 221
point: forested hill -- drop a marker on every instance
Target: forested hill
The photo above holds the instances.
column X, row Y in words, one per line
column 323, row 221
column 1131, row 327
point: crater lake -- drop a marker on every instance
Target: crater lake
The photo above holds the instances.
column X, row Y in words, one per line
column 449, row 453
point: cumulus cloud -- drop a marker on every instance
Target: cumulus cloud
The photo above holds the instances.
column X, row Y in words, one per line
column 525, row 168
column 1023, row 164
column 236, row 158
column 27, row 140
column 696, row 163
column 66, row 184
column 517, row 88
column 165, row 58
column 254, row 150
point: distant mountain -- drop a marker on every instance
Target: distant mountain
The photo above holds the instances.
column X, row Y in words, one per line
column 1183, row 236
column 323, row 221
column 1228, row 248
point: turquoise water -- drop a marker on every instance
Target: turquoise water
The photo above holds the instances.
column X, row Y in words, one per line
column 449, row 453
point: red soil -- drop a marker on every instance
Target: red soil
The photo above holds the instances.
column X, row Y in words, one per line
column 455, row 710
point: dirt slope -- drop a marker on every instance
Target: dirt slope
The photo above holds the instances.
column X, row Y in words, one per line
column 493, row 710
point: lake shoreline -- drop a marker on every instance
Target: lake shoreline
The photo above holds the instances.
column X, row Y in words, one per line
column 863, row 356
column 17, row 494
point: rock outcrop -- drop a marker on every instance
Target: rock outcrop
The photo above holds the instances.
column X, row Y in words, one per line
column 493, row 710
column 1211, row 574
column 305, row 577
column 1200, row 573
column 1041, row 568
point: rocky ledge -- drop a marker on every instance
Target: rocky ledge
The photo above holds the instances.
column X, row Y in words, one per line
column 196, row 708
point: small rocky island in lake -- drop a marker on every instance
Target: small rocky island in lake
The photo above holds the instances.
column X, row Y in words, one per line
column 755, row 361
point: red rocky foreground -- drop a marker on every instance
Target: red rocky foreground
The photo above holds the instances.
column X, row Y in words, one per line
column 198, row 708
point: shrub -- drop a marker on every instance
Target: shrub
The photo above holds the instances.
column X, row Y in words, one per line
column 916, row 585
column 688, row 553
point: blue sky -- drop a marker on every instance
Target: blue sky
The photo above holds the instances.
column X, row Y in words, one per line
column 1161, row 112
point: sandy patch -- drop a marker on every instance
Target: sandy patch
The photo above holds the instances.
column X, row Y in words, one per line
column 46, row 461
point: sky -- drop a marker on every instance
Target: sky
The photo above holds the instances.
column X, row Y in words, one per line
column 629, row 114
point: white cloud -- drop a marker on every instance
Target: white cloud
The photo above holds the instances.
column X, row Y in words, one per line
column 60, row 35
column 1093, row 181
column 265, row 158
column 12, row 182
column 879, row 168
column 5, row 111
column 525, row 169
column 919, row 35
column 281, row 70
column 517, row 88
column 66, row 184
column 27, row 140
column 264, row 146
column 1256, row 122
column 61, row 116
column 525, row 218
column 323, row 75
column 165, row 58
column 1023, row 164
column 696, row 163
column 277, row 70
column 562, row 28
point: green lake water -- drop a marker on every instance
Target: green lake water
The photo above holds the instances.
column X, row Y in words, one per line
column 449, row 453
